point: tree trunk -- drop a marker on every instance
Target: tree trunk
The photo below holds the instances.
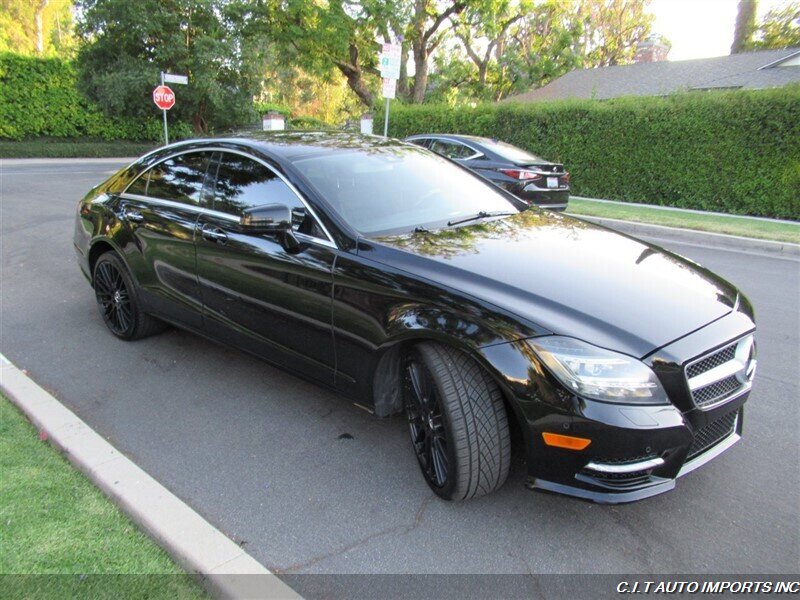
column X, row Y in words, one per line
column 745, row 24
column 356, row 83
column 421, row 73
column 39, row 25
column 402, row 83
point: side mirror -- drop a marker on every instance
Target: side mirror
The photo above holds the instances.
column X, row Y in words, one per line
column 270, row 218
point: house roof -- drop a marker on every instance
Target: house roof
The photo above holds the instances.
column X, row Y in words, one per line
column 750, row 70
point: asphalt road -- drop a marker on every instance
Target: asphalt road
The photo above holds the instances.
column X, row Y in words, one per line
column 258, row 452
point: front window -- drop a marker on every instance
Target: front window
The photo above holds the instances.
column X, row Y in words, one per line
column 395, row 189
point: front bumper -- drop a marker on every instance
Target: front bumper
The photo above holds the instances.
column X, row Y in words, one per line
column 630, row 464
column 635, row 451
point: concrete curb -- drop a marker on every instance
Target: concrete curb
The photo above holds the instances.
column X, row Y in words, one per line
column 692, row 236
column 224, row 568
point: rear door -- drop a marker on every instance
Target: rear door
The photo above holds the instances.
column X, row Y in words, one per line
column 161, row 208
column 256, row 293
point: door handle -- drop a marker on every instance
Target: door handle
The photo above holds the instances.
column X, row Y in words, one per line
column 213, row 234
column 134, row 216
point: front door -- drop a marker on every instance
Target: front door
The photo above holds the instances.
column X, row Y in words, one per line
column 256, row 293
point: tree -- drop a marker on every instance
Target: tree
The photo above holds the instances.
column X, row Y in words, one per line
column 544, row 45
column 127, row 44
column 612, row 29
column 318, row 36
column 780, row 28
column 426, row 32
column 745, row 24
column 488, row 21
column 42, row 27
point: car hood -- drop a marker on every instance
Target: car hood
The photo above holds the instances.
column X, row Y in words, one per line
column 570, row 277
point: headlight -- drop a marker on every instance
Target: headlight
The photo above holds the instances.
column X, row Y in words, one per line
column 596, row 373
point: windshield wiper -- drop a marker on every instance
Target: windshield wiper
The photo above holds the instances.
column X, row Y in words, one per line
column 481, row 215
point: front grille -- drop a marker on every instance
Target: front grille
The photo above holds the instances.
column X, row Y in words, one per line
column 716, row 391
column 720, row 375
column 718, row 358
column 712, row 434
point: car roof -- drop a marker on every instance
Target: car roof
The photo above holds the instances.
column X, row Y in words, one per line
column 454, row 136
column 294, row 144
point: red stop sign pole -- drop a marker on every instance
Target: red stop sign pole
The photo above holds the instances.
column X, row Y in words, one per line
column 164, row 99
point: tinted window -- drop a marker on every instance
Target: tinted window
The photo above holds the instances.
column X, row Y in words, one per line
column 243, row 183
column 179, row 178
column 139, row 186
column 451, row 149
column 392, row 189
column 510, row 152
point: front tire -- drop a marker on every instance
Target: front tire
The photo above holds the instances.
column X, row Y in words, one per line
column 118, row 300
column 457, row 422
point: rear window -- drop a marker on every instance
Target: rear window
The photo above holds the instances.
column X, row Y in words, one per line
column 510, row 152
column 179, row 178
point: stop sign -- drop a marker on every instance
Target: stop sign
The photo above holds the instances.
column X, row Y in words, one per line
column 164, row 97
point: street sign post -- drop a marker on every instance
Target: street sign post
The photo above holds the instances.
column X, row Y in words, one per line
column 164, row 97
column 389, row 61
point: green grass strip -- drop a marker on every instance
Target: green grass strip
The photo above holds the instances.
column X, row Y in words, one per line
column 779, row 231
column 61, row 537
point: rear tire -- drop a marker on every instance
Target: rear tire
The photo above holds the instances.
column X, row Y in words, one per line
column 118, row 300
column 457, row 422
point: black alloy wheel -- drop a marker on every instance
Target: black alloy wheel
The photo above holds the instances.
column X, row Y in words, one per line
column 426, row 423
column 118, row 301
column 457, row 422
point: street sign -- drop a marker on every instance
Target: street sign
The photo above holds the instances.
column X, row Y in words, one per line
column 164, row 97
column 390, row 61
column 173, row 78
column 389, row 88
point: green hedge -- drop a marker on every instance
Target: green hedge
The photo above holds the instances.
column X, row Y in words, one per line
column 39, row 97
column 735, row 152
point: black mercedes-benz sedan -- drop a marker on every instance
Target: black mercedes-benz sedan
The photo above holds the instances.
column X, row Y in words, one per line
column 530, row 178
column 410, row 284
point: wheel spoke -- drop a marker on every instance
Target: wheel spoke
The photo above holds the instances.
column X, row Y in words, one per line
column 416, row 381
column 102, row 282
column 439, row 460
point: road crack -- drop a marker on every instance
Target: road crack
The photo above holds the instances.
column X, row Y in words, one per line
column 401, row 529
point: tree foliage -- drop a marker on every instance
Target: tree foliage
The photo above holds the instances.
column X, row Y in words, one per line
column 127, row 44
column 514, row 45
column 40, row 97
column 780, row 28
column 612, row 29
column 24, row 24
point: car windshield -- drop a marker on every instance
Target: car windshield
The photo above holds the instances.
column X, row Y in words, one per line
column 510, row 152
column 395, row 189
